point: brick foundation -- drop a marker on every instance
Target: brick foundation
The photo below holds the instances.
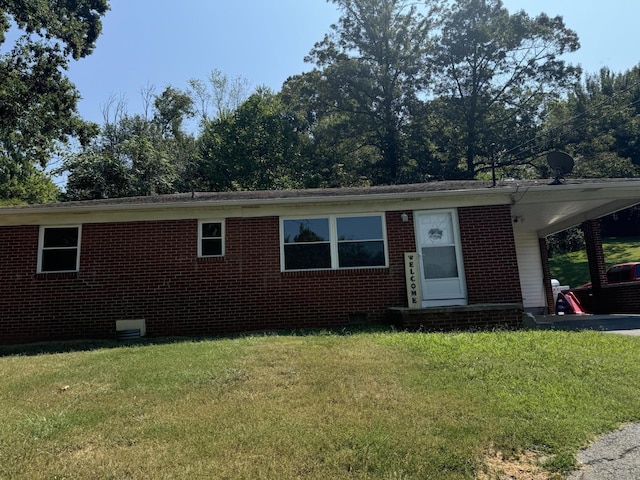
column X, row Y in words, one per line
column 475, row 317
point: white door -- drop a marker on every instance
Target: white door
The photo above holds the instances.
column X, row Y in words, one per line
column 441, row 267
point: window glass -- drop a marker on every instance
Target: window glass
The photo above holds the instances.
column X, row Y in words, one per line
column 614, row 275
column 211, row 230
column 211, row 236
column 359, row 228
column 59, row 249
column 439, row 262
column 361, row 254
column 60, row 237
column 307, row 257
column 333, row 242
column 211, row 247
column 62, row 260
column 306, row 230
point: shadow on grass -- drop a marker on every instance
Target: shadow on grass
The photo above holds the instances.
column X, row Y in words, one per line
column 49, row 348
column 599, row 323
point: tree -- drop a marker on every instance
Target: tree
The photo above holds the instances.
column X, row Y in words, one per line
column 333, row 146
column 32, row 185
column 38, row 104
column 494, row 73
column 220, row 93
column 255, row 147
column 599, row 123
column 374, row 66
column 136, row 154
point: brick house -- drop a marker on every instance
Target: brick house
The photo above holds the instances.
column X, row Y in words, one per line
column 439, row 255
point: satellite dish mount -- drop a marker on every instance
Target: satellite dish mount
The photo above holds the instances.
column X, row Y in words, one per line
column 562, row 164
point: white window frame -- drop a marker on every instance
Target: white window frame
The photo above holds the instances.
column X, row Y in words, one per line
column 333, row 241
column 41, row 248
column 200, row 237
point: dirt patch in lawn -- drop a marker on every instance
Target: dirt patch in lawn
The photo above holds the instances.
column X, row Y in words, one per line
column 523, row 467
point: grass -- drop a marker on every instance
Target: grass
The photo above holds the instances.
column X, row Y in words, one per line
column 573, row 268
column 377, row 405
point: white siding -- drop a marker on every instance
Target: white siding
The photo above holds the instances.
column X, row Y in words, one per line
column 530, row 268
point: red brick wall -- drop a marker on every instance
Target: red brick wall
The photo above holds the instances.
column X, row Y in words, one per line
column 621, row 298
column 150, row 270
column 595, row 253
column 489, row 252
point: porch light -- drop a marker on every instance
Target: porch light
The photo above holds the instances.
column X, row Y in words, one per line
column 404, row 217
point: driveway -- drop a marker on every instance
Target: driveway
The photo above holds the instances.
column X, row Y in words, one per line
column 614, row 456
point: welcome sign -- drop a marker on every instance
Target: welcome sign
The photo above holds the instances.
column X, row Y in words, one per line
column 412, row 274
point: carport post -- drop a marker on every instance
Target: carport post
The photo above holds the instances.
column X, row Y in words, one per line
column 595, row 253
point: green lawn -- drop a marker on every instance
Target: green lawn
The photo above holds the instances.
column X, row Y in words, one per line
column 573, row 268
column 372, row 405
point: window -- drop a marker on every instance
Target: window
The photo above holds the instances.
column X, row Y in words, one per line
column 211, row 239
column 617, row 273
column 333, row 242
column 59, row 249
column 307, row 244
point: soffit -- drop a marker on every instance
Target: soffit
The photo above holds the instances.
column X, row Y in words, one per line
column 548, row 211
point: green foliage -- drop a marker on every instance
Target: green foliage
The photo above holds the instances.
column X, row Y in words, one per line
column 570, row 240
column 401, row 92
column 256, row 147
column 494, row 71
column 605, row 165
column 218, row 95
column 406, row 93
column 600, row 124
column 32, row 185
column 135, row 155
column 76, row 24
column 573, row 268
column 374, row 66
column 333, row 147
column 37, row 101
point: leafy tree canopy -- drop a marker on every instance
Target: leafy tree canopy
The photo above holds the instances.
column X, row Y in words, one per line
column 599, row 123
column 136, row 154
column 38, row 104
column 495, row 71
column 374, row 65
column 255, row 147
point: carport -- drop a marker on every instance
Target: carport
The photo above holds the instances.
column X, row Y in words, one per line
column 540, row 212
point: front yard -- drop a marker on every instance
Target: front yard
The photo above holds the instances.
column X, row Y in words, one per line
column 376, row 405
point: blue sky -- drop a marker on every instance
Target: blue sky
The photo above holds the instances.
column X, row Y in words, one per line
column 166, row 42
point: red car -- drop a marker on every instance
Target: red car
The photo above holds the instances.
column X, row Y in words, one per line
column 624, row 272
column 621, row 273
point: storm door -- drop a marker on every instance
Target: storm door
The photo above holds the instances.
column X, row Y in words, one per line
column 441, row 266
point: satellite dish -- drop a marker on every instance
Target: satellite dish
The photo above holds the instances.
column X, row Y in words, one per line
column 561, row 163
